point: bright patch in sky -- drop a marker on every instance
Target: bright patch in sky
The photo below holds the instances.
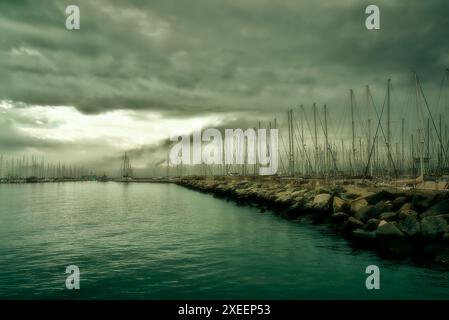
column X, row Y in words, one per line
column 120, row 129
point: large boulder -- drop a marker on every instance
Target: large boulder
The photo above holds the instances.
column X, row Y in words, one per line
column 367, row 212
column 356, row 205
column 241, row 193
column 243, row 183
column 441, row 207
column 269, row 195
column 422, row 203
column 349, row 196
column 298, row 194
column 372, row 224
column 407, row 210
column 434, row 227
column 381, row 223
column 388, row 216
column 321, row 202
column 320, row 190
column 284, row 198
column 380, row 196
column 410, row 226
column 352, row 224
column 406, row 207
column 392, row 239
column 337, row 190
column 399, row 202
column 389, row 229
column 339, row 205
column 384, row 206
column 309, row 195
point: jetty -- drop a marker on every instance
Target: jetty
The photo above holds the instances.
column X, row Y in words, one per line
column 410, row 224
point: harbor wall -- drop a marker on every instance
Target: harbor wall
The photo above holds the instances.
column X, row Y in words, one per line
column 396, row 223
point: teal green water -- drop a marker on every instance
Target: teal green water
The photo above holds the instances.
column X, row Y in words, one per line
column 160, row 241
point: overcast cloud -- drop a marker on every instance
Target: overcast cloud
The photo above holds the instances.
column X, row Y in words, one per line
column 174, row 63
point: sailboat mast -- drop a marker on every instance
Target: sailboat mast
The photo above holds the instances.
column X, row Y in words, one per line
column 369, row 146
column 402, row 143
column 326, row 137
column 351, row 94
column 315, row 138
column 388, row 127
column 440, row 156
column 420, row 135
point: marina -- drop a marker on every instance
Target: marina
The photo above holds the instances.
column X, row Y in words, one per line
column 371, row 142
column 232, row 151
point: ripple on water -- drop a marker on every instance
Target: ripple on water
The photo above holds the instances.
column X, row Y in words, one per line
column 157, row 241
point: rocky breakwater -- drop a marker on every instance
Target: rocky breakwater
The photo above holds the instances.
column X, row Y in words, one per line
column 398, row 224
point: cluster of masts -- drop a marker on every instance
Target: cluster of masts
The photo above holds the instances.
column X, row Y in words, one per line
column 373, row 151
column 415, row 144
column 373, row 145
column 34, row 168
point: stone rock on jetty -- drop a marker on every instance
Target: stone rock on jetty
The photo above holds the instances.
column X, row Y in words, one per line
column 398, row 223
column 367, row 212
column 358, row 204
column 339, row 204
column 433, row 227
column 410, row 226
column 392, row 239
column 321, row 202
column 439, row 208
column 389, row 216
column 372, row 224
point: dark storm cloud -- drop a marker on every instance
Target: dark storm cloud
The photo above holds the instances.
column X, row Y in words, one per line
column 202, row 56
column 243, row 61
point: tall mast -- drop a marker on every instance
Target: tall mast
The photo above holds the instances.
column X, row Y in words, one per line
column 343, row 163
column 420, row 135
column 168, row 164
column 351, row 94
column 307, row 168
column 327, row 141
column 428, row 139
column 388, row 128
column 440, row 156
column 402, row 143
column 413, row 153
column 315, row 138
column 292, row 141
column 368, row 103
column 291, row 158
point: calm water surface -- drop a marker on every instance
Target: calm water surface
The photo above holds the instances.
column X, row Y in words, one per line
column 160, row 241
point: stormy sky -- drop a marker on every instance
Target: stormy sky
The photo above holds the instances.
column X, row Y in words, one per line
column 138, row 70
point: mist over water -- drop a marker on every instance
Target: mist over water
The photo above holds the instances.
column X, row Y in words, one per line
column 161, row 241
